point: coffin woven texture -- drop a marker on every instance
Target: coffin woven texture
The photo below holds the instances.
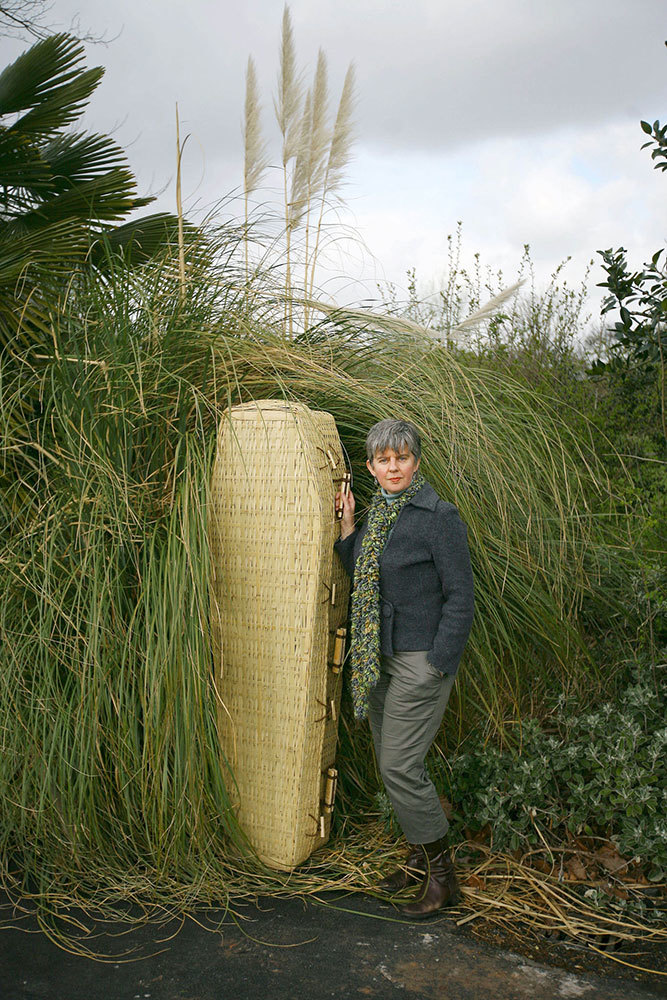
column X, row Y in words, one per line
column 272, row 528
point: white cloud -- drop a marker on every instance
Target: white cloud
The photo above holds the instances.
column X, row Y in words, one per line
column 569, row 194
column 519, row 118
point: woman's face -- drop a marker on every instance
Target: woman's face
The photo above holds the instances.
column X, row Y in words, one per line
column 394, row 469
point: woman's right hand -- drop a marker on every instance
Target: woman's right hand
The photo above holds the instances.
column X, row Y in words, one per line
column 346, row 500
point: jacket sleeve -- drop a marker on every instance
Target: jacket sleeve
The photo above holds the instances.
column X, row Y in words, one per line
column 345, row 549
column 452, row 560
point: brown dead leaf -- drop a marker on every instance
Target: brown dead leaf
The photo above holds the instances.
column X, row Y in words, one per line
column 478, row 836
column 447, row 807
column 611, row 860
column 575, row 870
column 475, row 882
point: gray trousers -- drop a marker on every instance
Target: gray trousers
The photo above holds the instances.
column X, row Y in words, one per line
column 405, row 711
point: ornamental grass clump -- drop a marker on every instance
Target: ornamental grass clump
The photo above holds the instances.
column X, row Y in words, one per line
column 110, row 761
column 112, row 783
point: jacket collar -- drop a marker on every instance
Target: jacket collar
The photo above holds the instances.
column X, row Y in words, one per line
column 425, row 497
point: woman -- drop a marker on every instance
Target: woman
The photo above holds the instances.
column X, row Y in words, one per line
column 412, row 607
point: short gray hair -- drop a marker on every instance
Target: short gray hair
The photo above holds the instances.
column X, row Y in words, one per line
column 394, row 434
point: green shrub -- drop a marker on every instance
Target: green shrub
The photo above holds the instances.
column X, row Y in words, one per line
column 599, row 772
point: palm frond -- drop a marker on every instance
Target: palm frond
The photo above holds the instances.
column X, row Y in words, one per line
column 47, row 83
column 40, row 73
column 140, row 240
column 77, row 158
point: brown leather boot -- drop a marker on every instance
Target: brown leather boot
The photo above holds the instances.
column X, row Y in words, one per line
column 411, row 871
column 439, row 887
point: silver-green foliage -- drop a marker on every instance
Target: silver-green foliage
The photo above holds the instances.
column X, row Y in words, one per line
column 599, row 771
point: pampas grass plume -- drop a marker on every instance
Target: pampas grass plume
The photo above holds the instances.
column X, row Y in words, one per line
column 343, row 134
column 256, row 159
column 288, row 104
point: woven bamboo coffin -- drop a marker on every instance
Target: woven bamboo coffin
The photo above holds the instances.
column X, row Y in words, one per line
column 279, row 604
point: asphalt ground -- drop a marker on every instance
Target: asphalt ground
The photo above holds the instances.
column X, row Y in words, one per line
column 283, row 949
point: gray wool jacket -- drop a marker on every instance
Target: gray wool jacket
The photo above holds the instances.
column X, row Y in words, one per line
column 426, row 584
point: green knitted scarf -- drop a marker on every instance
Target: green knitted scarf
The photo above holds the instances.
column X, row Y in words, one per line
column 365, row 615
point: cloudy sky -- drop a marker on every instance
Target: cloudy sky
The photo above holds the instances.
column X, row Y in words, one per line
column 518, row 117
